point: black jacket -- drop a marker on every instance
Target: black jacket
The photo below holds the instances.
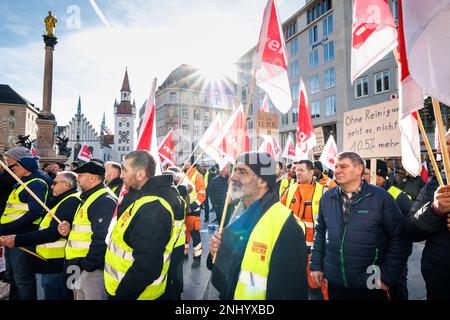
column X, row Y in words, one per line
column 148, row 234
column 117, row 182
column 100, row 213
column 287, row 271
column 217, row 191
column 424, row 224
column 411, row 185
column 65, row 212
column 7, row 183
column 372, row 236
column 36, row 211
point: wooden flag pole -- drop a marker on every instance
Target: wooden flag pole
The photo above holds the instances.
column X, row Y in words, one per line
column 250, row 92
column 442, row 140
column 32, row 253
column 29, row 191
column 429, row 150
column 195, row 162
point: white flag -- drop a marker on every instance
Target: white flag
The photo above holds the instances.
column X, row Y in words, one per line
column 329, row 153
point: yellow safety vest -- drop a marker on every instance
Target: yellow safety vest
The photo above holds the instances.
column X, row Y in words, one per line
column 285, row 183
column 113, row 189
column 395, row 192
column 193, row 194
column 119, row 256
column 80, row 236
column 16, row 209
column 53, row 250
column 180, row 229
column 205, row 178
column 252, row 283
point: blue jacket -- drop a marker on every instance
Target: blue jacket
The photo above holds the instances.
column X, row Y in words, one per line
column 372, row 236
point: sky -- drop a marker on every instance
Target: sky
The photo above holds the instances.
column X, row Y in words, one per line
column 99, row 39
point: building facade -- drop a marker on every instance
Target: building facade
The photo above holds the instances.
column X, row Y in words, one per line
column 17, row 117
column 187, row 103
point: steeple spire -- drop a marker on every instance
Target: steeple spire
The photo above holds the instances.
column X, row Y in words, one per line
column 103, row 125
column 126, row 83
column 79, row 106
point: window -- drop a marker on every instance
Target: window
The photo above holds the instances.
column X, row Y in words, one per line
column 206, row 115
column 294, row 68
column 128, row 124
column 291, row 30
column 394, row 9
column 318, row 10
column 294, row 46
column 173, row 97
column 185, row 128
column 244, row 94
column 328, row 51
column 314, row 85
column 295, row 91
column 196, row 130
column 381, row 81
column 330, row 105
column 327, row 25
column 12, row 113
column 185, row 113
column 330, row 80
column 11, row 126
column 313, row 36
column 362, row 87
column 196, row 115
column 315, row 109
column 294, row 115
column 314, row 59
column 120, row 124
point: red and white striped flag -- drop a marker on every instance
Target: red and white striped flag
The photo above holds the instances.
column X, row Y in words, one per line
column 410, row 101
column 271, row 146
column 33, row 150
column 289, row 149
column 329, row 153
column 166, row 150
column 265, row 104
column 271, row 61
column 374, row 34
column 424, row 172
column 210, row 141
column 147, row 135
column 305, row 138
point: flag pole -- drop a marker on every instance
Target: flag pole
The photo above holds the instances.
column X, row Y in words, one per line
column 29, row 191
column 424, row 133
column 250, row 92
column 32, row 253
column 428, row 146
column 192, row 165
column 442, row 140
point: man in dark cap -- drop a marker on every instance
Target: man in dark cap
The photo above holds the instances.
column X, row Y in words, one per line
column 22, row 214
column 321, row 177
column 86, row 247
column 262, row 253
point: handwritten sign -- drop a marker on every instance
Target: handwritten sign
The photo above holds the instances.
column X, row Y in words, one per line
column 320, row 141
column 266, row 123
column 373, row 132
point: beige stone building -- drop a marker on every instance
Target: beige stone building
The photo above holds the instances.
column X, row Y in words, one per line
column 17, row 117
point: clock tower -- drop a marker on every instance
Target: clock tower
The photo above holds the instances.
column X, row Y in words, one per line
column 124, row 115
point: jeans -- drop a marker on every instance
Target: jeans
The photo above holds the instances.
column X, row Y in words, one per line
column 20, row 275
column 55, row 287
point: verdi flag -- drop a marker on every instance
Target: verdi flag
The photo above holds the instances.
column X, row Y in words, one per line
column 166, row 150
column 305, row 138
column 85, row 154
column 289, row 149
column 329, row 153
column 271, row 146
column 270, row 61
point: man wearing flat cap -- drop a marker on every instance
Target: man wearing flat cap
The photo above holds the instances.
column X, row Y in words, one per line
column 86, row 247
column 262, row 253
column 23, row 214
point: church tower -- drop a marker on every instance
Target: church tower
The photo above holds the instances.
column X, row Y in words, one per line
column 124, row 115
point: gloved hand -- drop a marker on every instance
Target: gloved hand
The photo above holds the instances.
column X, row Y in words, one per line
column 194, row 206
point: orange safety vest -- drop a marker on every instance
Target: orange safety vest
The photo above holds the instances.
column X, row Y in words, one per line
column 326, row 181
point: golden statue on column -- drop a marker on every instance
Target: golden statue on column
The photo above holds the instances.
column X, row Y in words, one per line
column 50, row 24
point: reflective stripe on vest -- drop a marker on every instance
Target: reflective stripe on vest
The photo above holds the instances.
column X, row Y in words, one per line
column 113, row 189
column 119, row 256
column 80, row 236
column 252, row 283
column 309, row 224
column 193, row 193
column 395, row 192
column 56, row 249
column 15, row 209
column 180, row 228
column 205, row 179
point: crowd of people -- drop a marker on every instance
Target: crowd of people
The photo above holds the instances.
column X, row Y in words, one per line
column 119, row 231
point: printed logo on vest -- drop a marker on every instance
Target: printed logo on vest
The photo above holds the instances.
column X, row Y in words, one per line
column 81, row 213
column 124, row 218
column 363, row 211
column 259, row 247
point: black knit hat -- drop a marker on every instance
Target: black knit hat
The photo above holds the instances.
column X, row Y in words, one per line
column 262, row 164
column 382, row 169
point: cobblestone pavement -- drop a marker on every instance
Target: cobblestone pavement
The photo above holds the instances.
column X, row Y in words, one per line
column 196, row 280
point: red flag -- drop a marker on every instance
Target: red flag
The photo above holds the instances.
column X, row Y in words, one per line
column 424, row 172
column 147, row 135
column 271, row 61
column 289, row 149
column 410, row 100
column 33, row 150
column 234, row 139
column 166, row 149
column 374, row 34
column 271, row 146
column 305, row 138
column 265, row 104
column 85, row 154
